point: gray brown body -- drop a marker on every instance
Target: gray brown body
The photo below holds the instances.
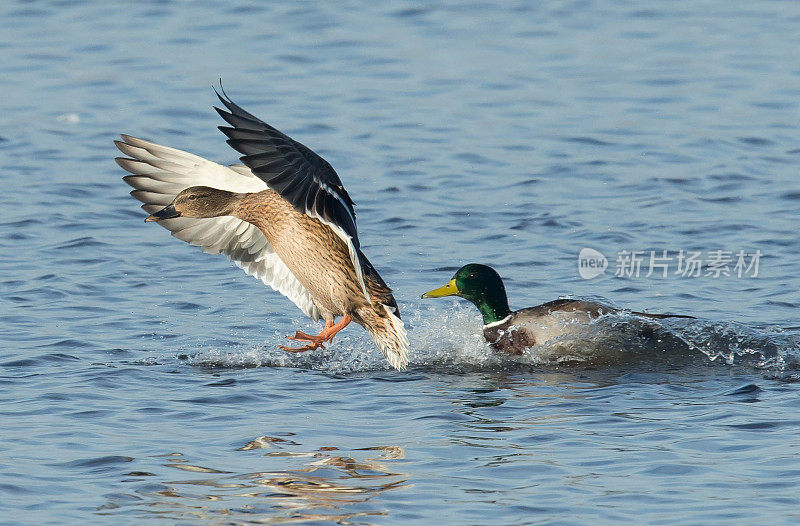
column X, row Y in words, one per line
column 536, row 325
column 318, row 258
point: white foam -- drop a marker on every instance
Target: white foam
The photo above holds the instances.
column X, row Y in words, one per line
column 449, row 338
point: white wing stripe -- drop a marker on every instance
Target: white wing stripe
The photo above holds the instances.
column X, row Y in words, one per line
column 336, row 196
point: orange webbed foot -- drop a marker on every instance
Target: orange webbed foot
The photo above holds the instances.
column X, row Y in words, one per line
column 310, row 347
column 301, row 336
column 316, row 342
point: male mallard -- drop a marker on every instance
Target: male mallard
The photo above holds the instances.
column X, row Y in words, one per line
column 513, row 332
column 283, row 217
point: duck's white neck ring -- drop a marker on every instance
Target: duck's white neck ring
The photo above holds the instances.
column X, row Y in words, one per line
column 496, row 323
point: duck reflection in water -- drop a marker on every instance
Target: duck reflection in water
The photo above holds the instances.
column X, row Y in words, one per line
column 323, row 487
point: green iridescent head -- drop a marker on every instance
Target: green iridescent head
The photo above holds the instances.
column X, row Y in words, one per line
column 481, row 285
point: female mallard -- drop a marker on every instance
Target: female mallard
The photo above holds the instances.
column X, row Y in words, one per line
column 283, row 217
column 513, row 332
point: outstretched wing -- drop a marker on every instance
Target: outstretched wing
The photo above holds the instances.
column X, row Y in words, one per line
column 159, row 173
column 299, row 175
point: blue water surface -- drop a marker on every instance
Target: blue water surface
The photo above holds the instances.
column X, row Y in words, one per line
column 140, row 379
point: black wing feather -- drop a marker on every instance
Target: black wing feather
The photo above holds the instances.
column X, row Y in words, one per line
column 299, row 175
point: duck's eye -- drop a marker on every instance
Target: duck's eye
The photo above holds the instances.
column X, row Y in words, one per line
column 191, row 197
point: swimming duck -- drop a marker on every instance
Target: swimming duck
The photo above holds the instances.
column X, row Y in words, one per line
column 283, row 216
column 513, row 332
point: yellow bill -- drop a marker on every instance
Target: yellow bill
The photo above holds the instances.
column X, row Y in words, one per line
column 448, row 289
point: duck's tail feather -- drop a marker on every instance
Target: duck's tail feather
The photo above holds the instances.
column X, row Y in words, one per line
column 388, row 332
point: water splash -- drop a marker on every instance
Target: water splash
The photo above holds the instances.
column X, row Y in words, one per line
column 449, row 339
column 772, row 348
column 440, row 339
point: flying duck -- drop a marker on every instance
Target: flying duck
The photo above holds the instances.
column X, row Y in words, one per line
column 283, row 217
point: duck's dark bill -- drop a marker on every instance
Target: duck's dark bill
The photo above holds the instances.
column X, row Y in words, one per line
column 168, row 212
column 448, row 289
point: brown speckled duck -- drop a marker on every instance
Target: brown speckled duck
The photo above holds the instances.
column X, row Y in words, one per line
column 513, row 332
column 283, row 217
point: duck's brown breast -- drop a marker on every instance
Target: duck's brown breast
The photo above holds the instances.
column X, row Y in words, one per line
column 507, row 338
column 318, row 258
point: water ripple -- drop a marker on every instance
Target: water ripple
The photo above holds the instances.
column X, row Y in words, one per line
column 140, row 379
